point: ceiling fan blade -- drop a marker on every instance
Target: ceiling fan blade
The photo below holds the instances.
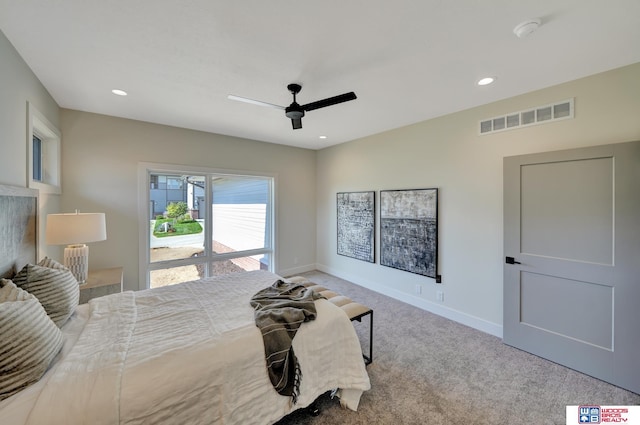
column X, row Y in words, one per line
column 329, row 101
column 254, row 102
column 296, row 123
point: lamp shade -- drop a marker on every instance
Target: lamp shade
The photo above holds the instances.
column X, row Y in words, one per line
column 75, row 228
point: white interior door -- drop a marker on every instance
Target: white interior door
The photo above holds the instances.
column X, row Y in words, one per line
column 572, row 255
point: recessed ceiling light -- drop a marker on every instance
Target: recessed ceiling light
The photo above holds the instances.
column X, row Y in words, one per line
column 119, row 92
column 323, row 137
column 485, row 81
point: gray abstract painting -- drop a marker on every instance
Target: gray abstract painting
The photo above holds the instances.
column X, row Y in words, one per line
column 409, row 230
column 356, row 225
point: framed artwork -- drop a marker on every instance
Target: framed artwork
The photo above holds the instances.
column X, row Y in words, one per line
column 409, row 230
column 356, row 212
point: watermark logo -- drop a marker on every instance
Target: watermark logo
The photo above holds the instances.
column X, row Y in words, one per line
column 589, row 414
column 594, row 414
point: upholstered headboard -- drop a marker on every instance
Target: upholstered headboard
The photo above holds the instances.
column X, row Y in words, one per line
column 18, row 228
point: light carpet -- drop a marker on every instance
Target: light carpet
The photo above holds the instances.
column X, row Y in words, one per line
column 430, row 370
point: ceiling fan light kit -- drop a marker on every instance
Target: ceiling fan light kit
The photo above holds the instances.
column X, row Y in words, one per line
column 295, row 111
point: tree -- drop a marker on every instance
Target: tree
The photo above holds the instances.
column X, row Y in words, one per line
column 176, row 209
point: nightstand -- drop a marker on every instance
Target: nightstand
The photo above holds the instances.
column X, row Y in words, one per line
column 100, row 283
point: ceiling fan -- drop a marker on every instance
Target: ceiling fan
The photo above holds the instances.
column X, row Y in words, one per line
column 295, row 111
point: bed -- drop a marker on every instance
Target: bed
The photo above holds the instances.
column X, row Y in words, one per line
column 185, row 354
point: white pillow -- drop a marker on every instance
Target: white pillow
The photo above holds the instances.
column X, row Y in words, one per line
column 52, row 264
column 30, row 340
column 53, row 285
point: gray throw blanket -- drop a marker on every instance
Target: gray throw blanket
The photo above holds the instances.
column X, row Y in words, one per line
column 280, row 309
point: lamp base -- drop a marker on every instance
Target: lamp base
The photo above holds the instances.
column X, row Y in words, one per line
column 76, row 259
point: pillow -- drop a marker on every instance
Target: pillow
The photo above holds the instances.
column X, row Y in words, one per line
column 53, row 285
column 52, row 264
column 30, row 340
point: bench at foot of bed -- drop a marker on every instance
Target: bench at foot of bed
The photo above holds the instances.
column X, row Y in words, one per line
column 354, row 310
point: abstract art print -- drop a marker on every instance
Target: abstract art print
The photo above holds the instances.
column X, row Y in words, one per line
column 356, row 213
column 409, row 230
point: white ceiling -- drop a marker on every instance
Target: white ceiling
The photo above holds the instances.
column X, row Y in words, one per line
column 407, row 61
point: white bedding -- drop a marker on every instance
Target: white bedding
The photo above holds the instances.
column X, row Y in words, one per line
column 188, row 354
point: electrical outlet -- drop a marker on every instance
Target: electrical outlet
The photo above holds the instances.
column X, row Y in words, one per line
column 418, row 289
column 440, row 296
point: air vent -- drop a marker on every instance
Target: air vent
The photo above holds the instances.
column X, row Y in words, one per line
column 533, row 116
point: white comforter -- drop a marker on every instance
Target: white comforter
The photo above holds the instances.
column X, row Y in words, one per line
column 191, row 354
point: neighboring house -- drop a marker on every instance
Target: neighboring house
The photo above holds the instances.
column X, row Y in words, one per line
column 165, row 189
column 239, row 214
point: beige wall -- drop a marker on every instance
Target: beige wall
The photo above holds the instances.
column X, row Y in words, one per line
column 18, row 85
column 101, row 156
column 448, row 153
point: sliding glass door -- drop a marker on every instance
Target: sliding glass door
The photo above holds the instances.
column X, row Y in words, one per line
column 205, row 224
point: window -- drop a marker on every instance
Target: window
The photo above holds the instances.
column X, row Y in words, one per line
column 43, row 143
column 37, row 159
column 199, row 223
column 174, row 183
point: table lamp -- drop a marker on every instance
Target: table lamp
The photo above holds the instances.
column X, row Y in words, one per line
column 75, row 230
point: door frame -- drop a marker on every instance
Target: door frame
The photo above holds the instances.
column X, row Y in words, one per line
column 619, row 365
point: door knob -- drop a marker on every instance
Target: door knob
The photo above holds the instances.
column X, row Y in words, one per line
column 511, row 260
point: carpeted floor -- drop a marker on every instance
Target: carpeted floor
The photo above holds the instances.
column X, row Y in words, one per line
column 430, row 370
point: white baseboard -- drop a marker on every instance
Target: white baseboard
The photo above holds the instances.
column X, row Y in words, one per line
column 296, row 270
column 449, row 313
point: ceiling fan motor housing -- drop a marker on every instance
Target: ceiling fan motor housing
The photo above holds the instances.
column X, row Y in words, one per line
column 294, row 111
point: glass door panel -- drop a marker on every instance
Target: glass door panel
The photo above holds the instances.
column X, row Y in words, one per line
column 205, row 224
column 240, row 209
column 177, row 222
column 173, row 275
column 239, row 264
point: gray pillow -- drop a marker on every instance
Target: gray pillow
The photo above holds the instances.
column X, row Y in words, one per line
column 53, row 285
column 30, row 340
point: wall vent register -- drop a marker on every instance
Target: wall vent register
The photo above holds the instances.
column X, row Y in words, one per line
column 539, row 115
